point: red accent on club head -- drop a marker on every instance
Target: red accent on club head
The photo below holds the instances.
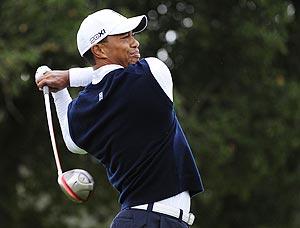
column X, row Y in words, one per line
column 70, row 191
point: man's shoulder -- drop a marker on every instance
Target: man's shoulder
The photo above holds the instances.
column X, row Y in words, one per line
column 150, row 65
column 154, row 60
column 157, row 66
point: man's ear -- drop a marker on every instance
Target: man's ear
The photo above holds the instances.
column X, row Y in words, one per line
column 98, row 51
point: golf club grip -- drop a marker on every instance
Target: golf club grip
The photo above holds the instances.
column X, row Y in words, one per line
column 51, row 131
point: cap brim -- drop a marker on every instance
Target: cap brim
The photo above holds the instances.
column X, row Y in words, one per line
column 134, row 24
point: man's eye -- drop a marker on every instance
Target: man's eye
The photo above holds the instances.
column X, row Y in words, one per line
column 125, row 36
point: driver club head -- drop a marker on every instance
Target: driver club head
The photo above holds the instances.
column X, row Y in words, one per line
column 77, row 184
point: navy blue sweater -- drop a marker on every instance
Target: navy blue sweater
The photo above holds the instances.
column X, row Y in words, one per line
column 134, row 132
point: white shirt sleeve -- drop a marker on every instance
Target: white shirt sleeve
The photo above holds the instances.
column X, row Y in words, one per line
column 80, row 76
column 62, row 99
column 162, row 74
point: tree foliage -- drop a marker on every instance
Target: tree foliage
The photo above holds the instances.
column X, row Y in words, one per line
column 237, row 90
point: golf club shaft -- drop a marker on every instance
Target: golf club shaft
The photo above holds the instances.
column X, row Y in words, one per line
column 51, row 131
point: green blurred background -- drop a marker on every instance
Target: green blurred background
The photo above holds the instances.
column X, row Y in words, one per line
column 236, row 72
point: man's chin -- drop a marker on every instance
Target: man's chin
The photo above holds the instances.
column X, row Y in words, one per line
column 134, row 60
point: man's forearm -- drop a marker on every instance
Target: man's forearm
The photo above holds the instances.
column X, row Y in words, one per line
column 57, row 80
column 62, row 99
column 80, row 76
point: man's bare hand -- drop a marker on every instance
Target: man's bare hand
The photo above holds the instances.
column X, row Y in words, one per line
column 55, row 79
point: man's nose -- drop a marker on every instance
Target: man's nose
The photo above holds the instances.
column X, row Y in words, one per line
column 135, row 43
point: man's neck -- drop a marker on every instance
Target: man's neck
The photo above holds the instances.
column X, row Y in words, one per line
column 103, row 62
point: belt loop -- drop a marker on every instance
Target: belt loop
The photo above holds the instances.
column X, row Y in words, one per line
column 150, row 207
column 180, row 215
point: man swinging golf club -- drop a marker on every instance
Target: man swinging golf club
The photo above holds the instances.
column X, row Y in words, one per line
column 125, row 118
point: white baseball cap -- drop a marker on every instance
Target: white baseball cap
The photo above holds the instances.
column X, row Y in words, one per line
column 102, row 23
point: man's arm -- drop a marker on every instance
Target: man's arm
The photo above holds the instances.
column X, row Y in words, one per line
column 58, row 81
column 162, row 74
column 80, row 76
column 62, row 99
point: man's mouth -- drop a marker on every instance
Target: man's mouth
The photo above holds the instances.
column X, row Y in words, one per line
column 135, row 54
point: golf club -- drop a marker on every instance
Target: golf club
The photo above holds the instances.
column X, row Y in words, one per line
column 77, row 184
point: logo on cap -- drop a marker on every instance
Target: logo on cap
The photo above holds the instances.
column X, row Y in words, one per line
column 97, row 36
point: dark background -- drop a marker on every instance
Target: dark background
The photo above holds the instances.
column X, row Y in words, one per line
column 236, row 73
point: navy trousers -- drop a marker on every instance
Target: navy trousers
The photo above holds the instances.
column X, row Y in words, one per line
column 135, row 218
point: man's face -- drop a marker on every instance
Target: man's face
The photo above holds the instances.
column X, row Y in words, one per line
column 122, row 49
